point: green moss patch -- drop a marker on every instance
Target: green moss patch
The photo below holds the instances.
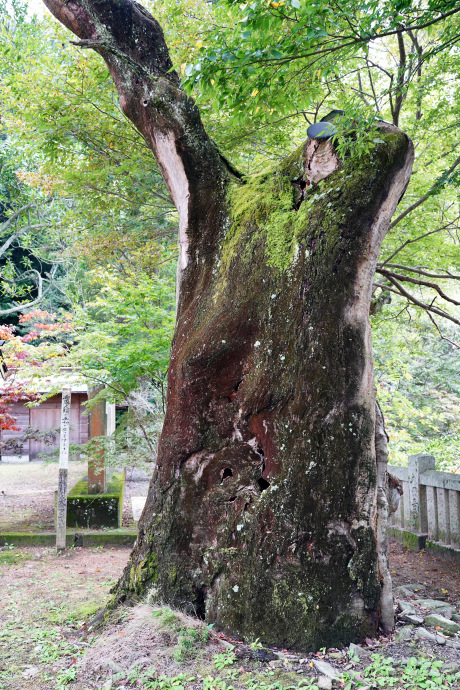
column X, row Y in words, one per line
column 11, row 556
column 96, row 510
column 86, row 537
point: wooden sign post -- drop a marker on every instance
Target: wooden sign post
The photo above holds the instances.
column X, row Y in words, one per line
column 61, row 526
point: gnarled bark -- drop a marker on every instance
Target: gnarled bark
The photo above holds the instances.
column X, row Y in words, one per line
column 263, row 511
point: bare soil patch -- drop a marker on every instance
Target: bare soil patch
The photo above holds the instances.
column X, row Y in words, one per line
column 440, row 577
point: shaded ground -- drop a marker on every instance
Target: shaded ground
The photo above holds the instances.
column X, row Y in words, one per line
column 440, row 577
column 46, row 600
column 27, row 495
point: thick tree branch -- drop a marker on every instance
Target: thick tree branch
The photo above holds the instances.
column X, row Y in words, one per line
column 7, row 244
column 132, row 44
column 400, row 91
column 14, row 216
column 41, row 294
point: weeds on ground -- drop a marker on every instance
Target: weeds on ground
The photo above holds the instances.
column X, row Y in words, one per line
column 190, row 640
column 51, row 646
column 417, row 674
column 382, row 674
column 224, row 659
column 68, row 675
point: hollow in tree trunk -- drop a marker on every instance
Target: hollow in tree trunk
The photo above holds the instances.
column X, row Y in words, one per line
column 266, row 511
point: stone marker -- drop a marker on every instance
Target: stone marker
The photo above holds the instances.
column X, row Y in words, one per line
column 417, row 519
column 61, row 524
column 138, row 503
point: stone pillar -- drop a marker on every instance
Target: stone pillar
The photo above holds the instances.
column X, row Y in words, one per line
column 418, row 464
column 97, row 475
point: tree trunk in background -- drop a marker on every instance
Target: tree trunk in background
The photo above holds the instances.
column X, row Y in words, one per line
column 263, row 511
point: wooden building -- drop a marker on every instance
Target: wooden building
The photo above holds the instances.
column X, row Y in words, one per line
column 45, row 417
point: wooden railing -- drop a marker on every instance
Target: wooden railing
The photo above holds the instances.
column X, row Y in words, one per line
column 429, row 508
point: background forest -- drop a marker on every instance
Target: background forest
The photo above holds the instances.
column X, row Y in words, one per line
column 88, row 230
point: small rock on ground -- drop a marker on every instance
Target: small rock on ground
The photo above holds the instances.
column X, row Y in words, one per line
column 435, row 620
column 423, row 634
column 358, row 651
column 441, row 607
column 410, row 618
column 454, row 645
column 404, row 634
column 450, row 667
column 406, row 606
column 325, row 668
column 30, row 672
column 324, row 683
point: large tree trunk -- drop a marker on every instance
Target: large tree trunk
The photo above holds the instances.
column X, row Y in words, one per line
column 263, row 511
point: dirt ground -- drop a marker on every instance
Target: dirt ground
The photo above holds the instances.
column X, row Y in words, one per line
column 440, row 577
column 47, row 600
column 27, row 495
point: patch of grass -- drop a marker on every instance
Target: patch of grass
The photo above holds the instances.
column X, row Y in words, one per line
column 10, row 557
column 152, row 681
column 190, row 642
column 51, row 646
column 167, row 615
column 83, row 613
column 190, row 639
column 68, row 675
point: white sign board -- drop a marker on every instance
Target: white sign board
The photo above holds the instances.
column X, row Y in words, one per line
column 65, row 430
column 138, row 503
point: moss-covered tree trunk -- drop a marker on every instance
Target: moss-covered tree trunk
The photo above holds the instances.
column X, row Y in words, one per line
column 263, row 511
